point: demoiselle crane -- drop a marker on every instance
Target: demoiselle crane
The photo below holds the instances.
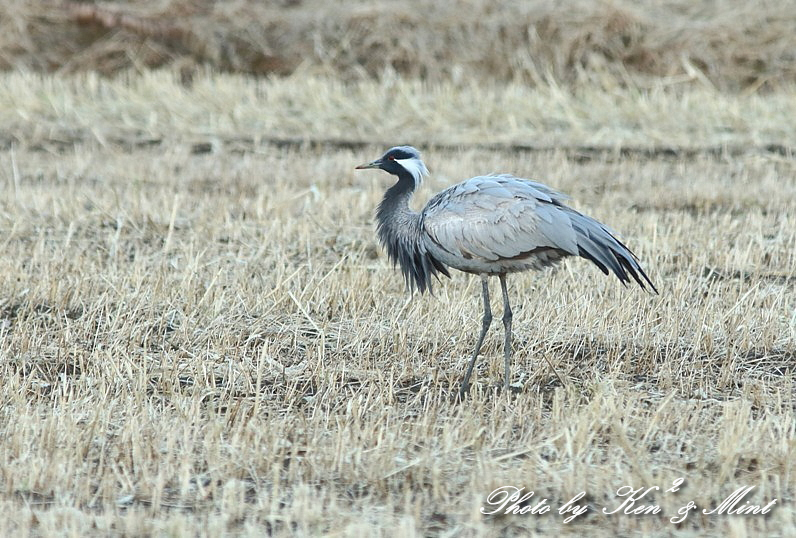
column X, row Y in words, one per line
column 488, row 225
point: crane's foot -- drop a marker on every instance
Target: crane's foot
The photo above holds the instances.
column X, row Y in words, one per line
column 464, row 388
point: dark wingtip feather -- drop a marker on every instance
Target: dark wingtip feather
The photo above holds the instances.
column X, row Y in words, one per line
column 632, row 266
column 597, row 243
column 621, row 261
column 583, row 253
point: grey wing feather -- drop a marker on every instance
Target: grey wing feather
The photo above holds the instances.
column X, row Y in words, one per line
column 491, row 223
column 494, row 217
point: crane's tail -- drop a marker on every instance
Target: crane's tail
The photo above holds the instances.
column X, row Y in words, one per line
column 597, row 243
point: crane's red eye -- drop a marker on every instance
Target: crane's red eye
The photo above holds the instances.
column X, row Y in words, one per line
column 391, row 157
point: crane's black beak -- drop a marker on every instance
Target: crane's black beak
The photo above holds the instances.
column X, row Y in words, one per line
column 375, row 164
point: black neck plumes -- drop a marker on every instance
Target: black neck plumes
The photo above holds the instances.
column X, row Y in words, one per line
column 400, row 230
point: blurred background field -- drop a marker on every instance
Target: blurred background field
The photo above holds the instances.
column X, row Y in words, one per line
column 732, row 45
column 199, row 334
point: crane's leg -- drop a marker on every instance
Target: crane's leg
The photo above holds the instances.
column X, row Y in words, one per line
column 485, row 322
column 507, row 315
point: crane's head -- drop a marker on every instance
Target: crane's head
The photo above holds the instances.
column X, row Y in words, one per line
column 398, row 161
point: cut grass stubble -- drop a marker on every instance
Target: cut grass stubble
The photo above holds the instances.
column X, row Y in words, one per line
column 215, row 343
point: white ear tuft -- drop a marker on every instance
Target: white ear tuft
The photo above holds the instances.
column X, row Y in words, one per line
column 416, row 167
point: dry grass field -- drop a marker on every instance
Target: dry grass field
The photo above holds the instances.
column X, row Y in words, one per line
column 199, row 334
column 207, row 338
